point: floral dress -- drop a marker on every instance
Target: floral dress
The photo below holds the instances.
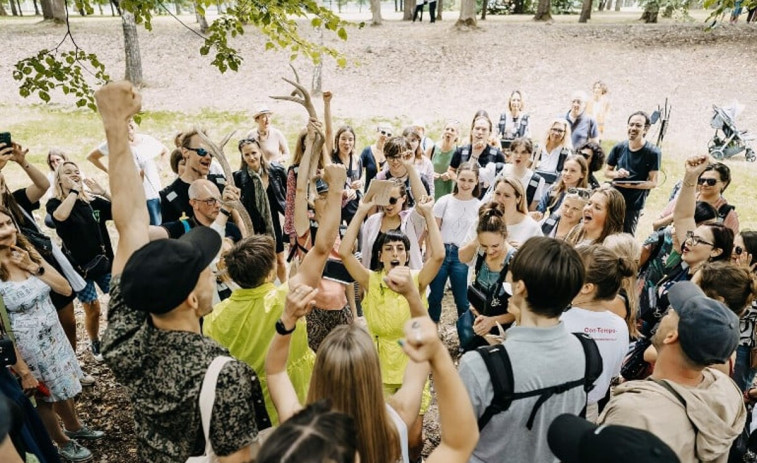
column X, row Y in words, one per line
column 40, row 338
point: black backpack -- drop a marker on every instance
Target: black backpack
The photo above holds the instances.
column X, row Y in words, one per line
column 501, row 372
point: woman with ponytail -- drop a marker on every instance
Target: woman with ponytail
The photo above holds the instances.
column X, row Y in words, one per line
column 486, row 293
column 590, row 314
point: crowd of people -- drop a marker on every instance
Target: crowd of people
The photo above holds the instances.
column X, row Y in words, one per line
column 288, row 311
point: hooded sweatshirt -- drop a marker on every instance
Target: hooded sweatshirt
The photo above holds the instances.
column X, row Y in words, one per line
column 701, row 430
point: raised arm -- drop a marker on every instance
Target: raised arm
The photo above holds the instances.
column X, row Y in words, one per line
column 40, row 183
column 466, row 253
column 311, row 268
column 683, row 212
column 117, row 103
column 435, row 255
column 416, row 185
column 361, row 274
column 95, row 157
column 42, row 270
column 298, row 303
column 458, row 423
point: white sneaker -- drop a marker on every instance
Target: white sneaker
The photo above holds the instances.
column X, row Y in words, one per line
column 87, row 380
column 96, row 353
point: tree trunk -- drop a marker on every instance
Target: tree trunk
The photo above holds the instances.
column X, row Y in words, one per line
column 618, row 4
column 13, row 8
column 650, row 13
column 585, row 11
column 117, row 5
column 439, row 8
column 376, row 13
column 59, row 11
column 543, row 12
column 407, row 13
column 2, row 10
column 200, row 17
column 131, row 50
column 316, row 87
column 36, row 8
column 220, row 7
column 18, row 5
column 47, row 9
column 177, row 6
column 467, row 14
column 484, row 7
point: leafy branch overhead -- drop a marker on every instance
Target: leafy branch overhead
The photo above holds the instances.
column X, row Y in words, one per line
column 77, row 72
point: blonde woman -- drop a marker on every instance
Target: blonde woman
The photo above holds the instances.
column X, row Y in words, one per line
column 554, row 149
column 509, row 192
column 626, row 303
column 80, row 223
column 575, row 174
column 602, row 216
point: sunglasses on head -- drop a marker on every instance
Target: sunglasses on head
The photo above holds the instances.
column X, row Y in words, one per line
column 385, row 132
column 708, row 181
column 202, row 152
column 583, row 193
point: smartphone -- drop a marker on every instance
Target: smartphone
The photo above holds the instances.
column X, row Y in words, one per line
column 5, row 137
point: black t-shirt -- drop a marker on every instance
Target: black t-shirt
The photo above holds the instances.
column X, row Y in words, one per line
column 84, row 233
column 463, row 154
column 639, row 164
column 178, row 228
column 174, row 199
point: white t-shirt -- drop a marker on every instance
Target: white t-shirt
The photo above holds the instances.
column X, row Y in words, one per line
column 520, row 232
column 548, row 161
column 610, row 332
column 457, row 218
column 145, row 149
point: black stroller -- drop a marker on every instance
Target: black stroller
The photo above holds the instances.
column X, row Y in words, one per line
column 728, row 140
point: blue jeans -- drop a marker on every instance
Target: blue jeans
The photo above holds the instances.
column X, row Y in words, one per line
column 153, row 208
column 458, row 278
column 743, row 375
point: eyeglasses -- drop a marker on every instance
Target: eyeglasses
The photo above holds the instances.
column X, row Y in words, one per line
column 393, row 159
column 738, row 250
column 583, row 193
column 696, row 240
column 393, row 201
column 708, row 181
column 555, row 130
column 202, row 152
column 385, row 132
column 209, row 201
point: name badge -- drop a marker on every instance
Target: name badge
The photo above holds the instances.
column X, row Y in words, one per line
column 171, row 196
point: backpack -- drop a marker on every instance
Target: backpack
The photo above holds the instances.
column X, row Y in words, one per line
column 533, row 184
column 522, row 125
column 723, row 212
column 501, row 372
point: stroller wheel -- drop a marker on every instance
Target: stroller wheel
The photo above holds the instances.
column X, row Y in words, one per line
column 717, row 153
column 750, row 156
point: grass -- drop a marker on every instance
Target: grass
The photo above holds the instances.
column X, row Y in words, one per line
column 76, row 132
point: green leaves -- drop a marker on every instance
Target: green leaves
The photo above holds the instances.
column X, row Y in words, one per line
column 72, row 72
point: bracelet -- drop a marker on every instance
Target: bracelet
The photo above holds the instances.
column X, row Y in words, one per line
column 281, row 328
column 76, row 192
column 225, row 212
column 690, row 185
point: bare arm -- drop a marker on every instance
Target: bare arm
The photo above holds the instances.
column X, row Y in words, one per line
column 466, row 253
column 311, row 268
column 649, row 184
column 416, row 185
column 301, row 221
column 683, row 212
column 63, row 212
column 95, row 157
column 361, row 274
column 40, row 183
column 435, row 244
column 298, row 303
column 117, row 102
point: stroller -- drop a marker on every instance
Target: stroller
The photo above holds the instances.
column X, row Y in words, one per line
column 728, row 140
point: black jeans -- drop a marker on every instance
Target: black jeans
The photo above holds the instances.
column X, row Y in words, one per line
column 631, row 221
column 418, row 11
column 432, row 11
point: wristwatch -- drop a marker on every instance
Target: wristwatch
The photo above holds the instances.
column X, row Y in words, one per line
column 282, row 330
column 40, row 271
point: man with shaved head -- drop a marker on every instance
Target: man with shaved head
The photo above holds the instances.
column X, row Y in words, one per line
column 583, row 127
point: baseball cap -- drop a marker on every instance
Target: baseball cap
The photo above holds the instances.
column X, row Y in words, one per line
column 708, row 331
column 574, row 440
column 159, row 276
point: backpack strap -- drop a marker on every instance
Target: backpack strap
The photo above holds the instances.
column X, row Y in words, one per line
column 561, row 159
column 523, row 125
column 502, row 123
column 479, row 262
column 593, row 360
column 501, row 373
column 550, row 223
column 186, row 225
column 208, row 397
column 724, row 210
column 533, row 184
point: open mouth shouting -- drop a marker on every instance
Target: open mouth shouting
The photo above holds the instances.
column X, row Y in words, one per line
column 394, row 263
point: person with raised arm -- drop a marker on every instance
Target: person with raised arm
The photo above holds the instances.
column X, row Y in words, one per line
column 153, row 342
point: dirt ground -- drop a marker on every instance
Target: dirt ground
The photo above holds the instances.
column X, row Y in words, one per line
column 423, row 71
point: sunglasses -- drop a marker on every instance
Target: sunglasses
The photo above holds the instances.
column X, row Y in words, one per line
column 738, row 250
column 393, row 201
column 583, row 193
column 202, row 152
column 708, row 181
column 696, row 240
column 385, row 132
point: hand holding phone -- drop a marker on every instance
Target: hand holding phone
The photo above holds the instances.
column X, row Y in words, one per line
column 5, row 138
